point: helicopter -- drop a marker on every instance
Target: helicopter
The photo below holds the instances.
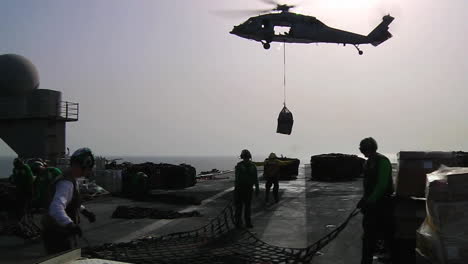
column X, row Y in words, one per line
column 305, row 29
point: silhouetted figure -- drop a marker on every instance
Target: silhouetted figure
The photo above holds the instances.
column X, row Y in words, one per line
column 23, row 179
column 140, row 186
column 246, row 178
column 376, row 204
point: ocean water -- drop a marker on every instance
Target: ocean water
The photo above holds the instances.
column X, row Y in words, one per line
column 6, row 166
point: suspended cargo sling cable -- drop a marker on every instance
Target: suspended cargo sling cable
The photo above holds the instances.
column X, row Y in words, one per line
column 285, row 118
column 284, row 73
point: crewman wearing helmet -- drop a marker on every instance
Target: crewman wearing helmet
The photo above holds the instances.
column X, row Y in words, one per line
column 246, row 178
column 271, row 173
column 61, row 223
column 376, row 204
column 23, row 179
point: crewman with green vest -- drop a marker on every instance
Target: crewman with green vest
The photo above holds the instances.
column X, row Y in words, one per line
column 23, row 179
column 45, row 176
column 272, row 173
column 376, row 204
column 61, row 223
column 246, row 178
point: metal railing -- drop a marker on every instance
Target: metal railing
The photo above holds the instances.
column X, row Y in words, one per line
column 69, row 111
column 15, row 110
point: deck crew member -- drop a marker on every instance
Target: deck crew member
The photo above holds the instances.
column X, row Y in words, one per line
column 23, row 179
column 61, row 223
column 140, row 186
column 45, row 176
column 271, row 173
column 246, row 178
column 376, row 204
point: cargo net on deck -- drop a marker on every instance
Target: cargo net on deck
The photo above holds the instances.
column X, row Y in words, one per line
column 26, row 228
column 217, row 242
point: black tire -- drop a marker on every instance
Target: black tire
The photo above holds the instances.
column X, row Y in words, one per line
column 266, row 45
column 361, row 52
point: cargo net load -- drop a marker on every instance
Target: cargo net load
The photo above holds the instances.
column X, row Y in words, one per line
column 335, row 167
column 285, row 122
column 217, row 242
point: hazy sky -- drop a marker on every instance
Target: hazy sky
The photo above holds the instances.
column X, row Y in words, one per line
column 165, row 77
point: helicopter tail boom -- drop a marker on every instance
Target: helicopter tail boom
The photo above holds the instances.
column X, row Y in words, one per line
column 380, row 34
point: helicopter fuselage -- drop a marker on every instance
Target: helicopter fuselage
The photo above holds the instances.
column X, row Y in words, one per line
column 304, row 29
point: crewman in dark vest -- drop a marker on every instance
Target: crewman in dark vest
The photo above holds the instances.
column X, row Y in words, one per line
column 246, row 178
column 61, row 223
column 376, row 204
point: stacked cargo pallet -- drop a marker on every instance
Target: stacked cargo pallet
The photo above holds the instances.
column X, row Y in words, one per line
column 413, row 166
column 290, row 171
column 410, row 202
column 163, row 176
column 335, row 167
column 190, row 175
column 410, row 188
column 443, row 237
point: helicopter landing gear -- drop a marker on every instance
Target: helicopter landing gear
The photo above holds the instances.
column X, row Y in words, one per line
column 266, row 45
column 359, row 50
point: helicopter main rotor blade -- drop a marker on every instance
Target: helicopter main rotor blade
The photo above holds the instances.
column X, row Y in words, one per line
column 240, row 13
column 270, row 2
column 286, row 6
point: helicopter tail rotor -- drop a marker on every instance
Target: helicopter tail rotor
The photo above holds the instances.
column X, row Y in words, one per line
column 381, row 33
column 384, row 8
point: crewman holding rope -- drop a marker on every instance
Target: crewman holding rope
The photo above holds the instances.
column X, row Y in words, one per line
column 61, row 223
column 246, row 178
column 376, row 204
